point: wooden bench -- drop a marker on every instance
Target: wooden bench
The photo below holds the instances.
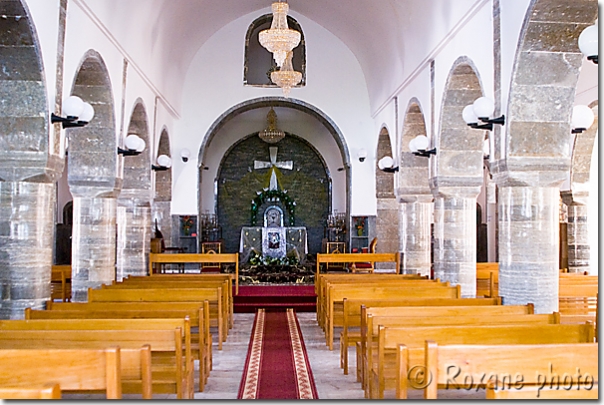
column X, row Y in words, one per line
column 335, row 317
column 196, row 258
column 72, row 369
column 351, row 324
column 487, row 279
column 218, row 314
column 60, row 282
column 374, row 317
column 522, row 370
column 358, row 257
column 200, row 337
column 383, row 367
column 168, row 372
column 37, row 391
column 154, row 283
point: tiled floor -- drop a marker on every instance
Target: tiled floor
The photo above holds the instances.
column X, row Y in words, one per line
column 331, row 382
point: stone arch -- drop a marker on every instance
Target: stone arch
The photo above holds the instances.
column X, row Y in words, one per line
column 93, row 181
column 265, row 102
column 387, row 218
column 258, row 61
column 534, row 158
column 134, row 202
column 29, row 165
column 459, row 157
column 415, row 197
column 163, row 193
column 384, row 182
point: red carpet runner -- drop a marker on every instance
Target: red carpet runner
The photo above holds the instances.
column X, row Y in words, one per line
column 277, row 366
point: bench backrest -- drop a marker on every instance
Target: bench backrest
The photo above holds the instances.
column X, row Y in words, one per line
column 37, row 391
column 519, row 364
column 72, row 369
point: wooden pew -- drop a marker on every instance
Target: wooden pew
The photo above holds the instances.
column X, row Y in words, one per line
column 487, row 279
column 335, row 318
column 72, row 369
column 515, row 367
column 578, row 391
column 351, row 316
column 200, row 340
column 37, row 391
column 154, row 283
column 383, row 367
column 358, row 257
column 168, row 374
column 218, row 316
column 60, row 282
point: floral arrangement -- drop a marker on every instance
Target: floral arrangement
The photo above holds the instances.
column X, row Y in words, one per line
column 187, row 224
column 273, row 195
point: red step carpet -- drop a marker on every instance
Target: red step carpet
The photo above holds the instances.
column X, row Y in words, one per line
column 301, row 298
column 276, row 366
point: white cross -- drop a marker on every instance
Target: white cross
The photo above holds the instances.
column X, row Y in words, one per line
column 288, row 165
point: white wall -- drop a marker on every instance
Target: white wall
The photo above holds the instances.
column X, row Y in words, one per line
column 335, row 85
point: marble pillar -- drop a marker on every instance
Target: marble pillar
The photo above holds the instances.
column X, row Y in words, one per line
column 26, row 243
column 528, row 246
column 93, row 244
column 133, row 239
column 415, row 224
column 160, row 212
column 577, row 232
column 455, row 240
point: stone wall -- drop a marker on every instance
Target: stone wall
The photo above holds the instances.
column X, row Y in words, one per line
column 308, row 184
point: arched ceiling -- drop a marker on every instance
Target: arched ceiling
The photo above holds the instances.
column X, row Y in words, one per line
column 376, row 31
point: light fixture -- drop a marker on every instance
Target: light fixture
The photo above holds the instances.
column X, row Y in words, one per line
column 362, row 154
column 481, row 110
column 286, row 77
column 271, row 134
column 588, row 42
column 134, row 146
column 419, row 146
column 185, row 154
column 77, row 113
column 163, row 163
column 279, row 39
column 386, row 164
column 582, row 118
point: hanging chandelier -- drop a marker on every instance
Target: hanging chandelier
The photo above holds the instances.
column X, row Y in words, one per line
column 279, row 39
column 286, row 77
column 271, row 134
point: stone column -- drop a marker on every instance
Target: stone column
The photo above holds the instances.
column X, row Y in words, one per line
column 577, row 232
column 528, row 246
column 387, row 228
column 26, row 243
column 415, row 221
column 455, row 238
column 133, row 238
column 93, row 244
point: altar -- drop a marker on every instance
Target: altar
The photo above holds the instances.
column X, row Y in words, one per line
column 277, row 242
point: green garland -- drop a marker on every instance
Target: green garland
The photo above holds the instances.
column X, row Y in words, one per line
column 279, row 195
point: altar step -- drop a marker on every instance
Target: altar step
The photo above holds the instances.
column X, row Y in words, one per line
column 275, row 297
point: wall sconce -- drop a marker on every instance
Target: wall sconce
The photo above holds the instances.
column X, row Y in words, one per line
column 163, row 163
column 362, row 154
column 588, row 42
column 184, row 154
column 77, row 113
column 419, row 146
column 134, row 146
column 386, row 164
column 481, row 110
column 581, row 119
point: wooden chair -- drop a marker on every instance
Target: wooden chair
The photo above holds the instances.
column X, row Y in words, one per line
column 212, row 248
column 336, row 247
column 365, row 267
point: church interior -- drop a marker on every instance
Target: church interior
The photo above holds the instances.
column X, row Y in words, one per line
column 301, row 199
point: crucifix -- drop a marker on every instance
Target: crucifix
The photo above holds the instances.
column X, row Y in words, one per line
column 288, row 165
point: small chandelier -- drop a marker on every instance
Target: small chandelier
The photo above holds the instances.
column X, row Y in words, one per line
column 279, row 39
column 286, row 77
column 271, row 134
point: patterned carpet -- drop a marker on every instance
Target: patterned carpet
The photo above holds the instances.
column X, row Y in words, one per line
column 277, row 366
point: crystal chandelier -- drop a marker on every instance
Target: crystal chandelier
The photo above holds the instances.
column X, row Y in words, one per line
column 279, row 39
column 287, row 77
column 271, row 134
